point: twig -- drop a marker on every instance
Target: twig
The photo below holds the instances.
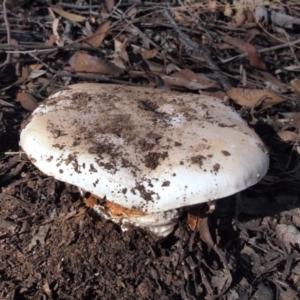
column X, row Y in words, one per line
column 8, row 56
column 285, row 45
column 14, row 153
column 193, row 49
column 43, row 63
column 102, row 78
column 38, row 47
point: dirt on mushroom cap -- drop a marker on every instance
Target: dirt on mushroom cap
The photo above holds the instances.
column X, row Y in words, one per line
column 132, row 144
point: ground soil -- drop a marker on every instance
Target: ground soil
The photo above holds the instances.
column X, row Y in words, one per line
column 52, row 246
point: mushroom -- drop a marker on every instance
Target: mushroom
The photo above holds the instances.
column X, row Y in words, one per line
column 147, row 153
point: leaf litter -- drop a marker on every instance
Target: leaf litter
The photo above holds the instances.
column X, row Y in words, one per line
column 245, row 52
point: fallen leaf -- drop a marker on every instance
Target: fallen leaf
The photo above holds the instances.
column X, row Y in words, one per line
column 147, row 54
column 240, row 17
column 212, row 5
column 216, row 94
column 47, row 289
column 16, row 54
column 96, row 39
column 289, row 136
column 27, row 101
column 131, row 13
column 255, row 60
column 274, row 84
column 67, row 15
column 91, row 201
column 296, row 121
column 35, row 67
column 23, row 77
column 191, row 76
column 36, row 74
column 55, row 24
column 51, row 40
column 254, row 97
column 289, row 68
column 283, row 20
column 121, row 58
column 70, row 214
column 109, row 6
column 114, row 209
column 228, row 12
column 186, row 79
column 192, row 221
column 81, row 62
column 295, row 83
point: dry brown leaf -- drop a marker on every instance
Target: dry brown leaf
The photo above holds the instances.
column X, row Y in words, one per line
column 216, row 94
column 179, row 83
column 131, row 13
column 275, row 85
column 51, row 40
column 295, row 83
column 55, row 24
column 81, row 62
column 121, row 56
column 35, row 67
column 191, row 80
column 120, row 49
column 27, row 101
column 296, row 121
column 212, row 5
column 67, row 15
column 109, row 6
column 46, row 288
column 254, row 97
column 23, row 77
column 96, row 39
column 255, row 60
column 228, row 12
column 240, row 17
column 288, row 136
column 113, row 208
column 147, row 54
column 16, row 54
column 91, row 201
column 224, row 46
column 192, row 221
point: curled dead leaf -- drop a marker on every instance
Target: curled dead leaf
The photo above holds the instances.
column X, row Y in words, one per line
column 296, row 121
column 81, row 62
column 191, row 76
column 289, row 136
column 67, row 15
column 23, row 77
column 147, row 54
column 254, row 58
column 192, row 221
column 254, row 97
column 295, row 83
column 27, row 101
column 121, row 58
column 187, row 79
column 96, row 39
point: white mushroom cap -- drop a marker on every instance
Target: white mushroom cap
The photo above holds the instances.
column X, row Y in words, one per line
column 144, row 149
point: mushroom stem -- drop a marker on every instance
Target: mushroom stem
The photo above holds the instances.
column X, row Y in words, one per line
column 161, row 224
